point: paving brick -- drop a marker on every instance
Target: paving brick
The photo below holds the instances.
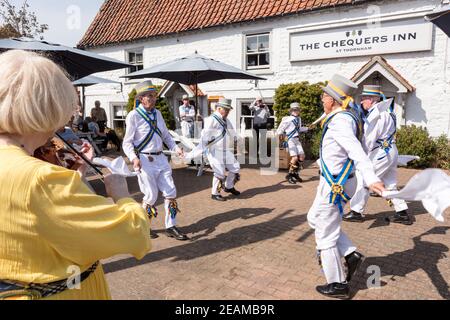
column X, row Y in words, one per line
column 247, row 251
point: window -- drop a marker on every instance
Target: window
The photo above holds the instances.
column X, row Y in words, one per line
column 136, row 58
column 247, row 116
column 119, row 114
column 257, row 54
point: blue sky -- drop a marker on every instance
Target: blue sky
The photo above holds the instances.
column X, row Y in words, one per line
column 67, row 19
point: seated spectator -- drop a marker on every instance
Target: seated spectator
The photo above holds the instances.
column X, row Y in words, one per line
column 69, row 136
column 109, row 136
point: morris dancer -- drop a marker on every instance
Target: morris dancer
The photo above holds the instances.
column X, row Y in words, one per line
column 216, row 140
column 341, row 152
column 143, row 145
column 379, row 134
column 289, row 131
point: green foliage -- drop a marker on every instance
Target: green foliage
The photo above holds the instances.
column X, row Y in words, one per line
column 442, row 159
column 416, row 141
column 161, row 104
column 131, row 98
column 19, row 22
column 311, row 143
column 7, row 31
column 308, row 95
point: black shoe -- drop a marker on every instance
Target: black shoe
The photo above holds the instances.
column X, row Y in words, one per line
column 297, row 177
column 353, row 216
column 291, row 179
column 153, row 235
column 232, row 191
column 174, row 232
column 402, row 217
column 335, row 290
column 218, row 198
column 353, row 260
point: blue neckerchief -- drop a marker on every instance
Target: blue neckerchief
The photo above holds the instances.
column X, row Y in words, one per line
column 151, row 119
column 223, row 123
column 296, row 122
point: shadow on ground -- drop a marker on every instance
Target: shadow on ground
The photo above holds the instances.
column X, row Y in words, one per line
column 226, row 241
column 424, row 256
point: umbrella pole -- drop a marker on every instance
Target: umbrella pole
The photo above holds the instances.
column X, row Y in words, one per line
column 84, row 101
column 196, row 99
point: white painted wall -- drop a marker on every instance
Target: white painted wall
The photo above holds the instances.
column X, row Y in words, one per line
column 427, row 71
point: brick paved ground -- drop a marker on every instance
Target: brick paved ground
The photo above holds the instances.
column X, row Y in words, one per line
column 260, row 247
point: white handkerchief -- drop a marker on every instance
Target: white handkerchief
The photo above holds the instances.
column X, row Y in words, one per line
column 403, row 160
column 432, row 187
column 117, row 166
column 187, row 143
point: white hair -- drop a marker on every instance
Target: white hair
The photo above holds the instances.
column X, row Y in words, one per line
column 35, row 94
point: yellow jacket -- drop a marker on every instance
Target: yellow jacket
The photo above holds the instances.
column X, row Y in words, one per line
column 50, row 221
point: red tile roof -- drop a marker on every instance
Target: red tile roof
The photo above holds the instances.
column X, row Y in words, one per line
column 128, row 20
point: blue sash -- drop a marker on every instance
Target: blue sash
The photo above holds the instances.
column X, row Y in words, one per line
column 296, row 123
column 338, row 196
column 224, row 131
column 153, row 123
column 291, row 134
column 387, row 144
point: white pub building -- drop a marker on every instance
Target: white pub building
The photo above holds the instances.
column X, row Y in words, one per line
column 373, row 42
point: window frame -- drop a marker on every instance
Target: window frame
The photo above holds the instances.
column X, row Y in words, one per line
column 113, row 115
column 127, row 59
column 251, row 116
column 267, row 67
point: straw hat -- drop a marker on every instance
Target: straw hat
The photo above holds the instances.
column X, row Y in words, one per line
column 295, row 106
column 372, row 90
column 340, row 88
column 224, row 103
column 144, row 87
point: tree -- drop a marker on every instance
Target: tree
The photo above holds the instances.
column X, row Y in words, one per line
column 19, row 22
column 308, row 95
column 161, row 105
column 7, row 31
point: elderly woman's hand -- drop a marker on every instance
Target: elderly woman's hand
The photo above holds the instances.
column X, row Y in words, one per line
column 88, row 151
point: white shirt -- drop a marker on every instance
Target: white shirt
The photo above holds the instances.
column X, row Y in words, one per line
column 340, row 143
column 138, row 129
column 187, row 113
column 213, row 129
column 382, row 127
column 287, row 126
column 262, row 114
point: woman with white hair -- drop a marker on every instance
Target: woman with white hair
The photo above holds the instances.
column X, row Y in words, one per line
column 53, row 229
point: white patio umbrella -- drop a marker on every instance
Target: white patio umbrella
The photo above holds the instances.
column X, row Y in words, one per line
column 193, row 70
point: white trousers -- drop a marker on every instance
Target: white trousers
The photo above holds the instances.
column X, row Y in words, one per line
column 295, row 147
column 331, row 241
column 156, row 176
column 386, row 170
column 222, row 161
column 187, row 129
